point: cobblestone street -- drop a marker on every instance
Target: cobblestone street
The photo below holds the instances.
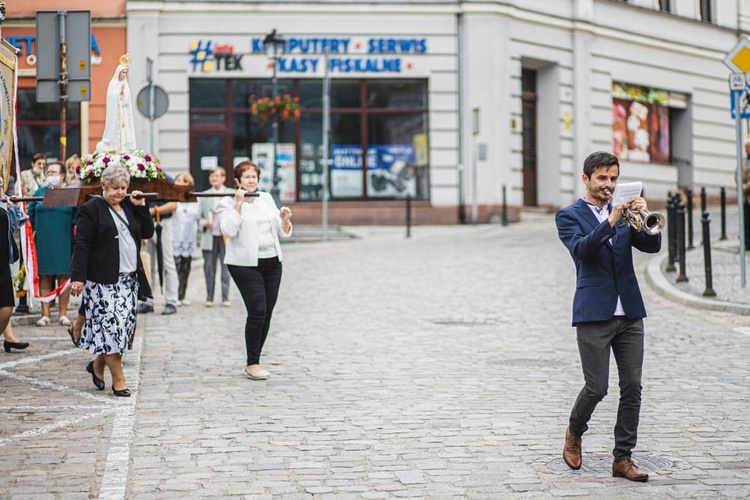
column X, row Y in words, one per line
column 438, row 366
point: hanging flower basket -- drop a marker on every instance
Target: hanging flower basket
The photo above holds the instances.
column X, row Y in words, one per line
column 285, row 107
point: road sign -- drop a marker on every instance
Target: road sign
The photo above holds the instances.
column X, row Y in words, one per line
column 161, row 101
column 744, row 102
column 738, row 59
column 77, row 37
column 737, row 81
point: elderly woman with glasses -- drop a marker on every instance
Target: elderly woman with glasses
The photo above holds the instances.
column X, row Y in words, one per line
column 106, row 268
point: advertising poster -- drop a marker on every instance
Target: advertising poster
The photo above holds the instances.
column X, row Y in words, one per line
column 390, row 171
column 640, row 123
column 346, row 172
column 287, row 160
column 263, row 157
column 7, row 107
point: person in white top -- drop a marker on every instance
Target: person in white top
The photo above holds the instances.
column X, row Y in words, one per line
column 252, row 226
column 212, row 241
column 184, row 230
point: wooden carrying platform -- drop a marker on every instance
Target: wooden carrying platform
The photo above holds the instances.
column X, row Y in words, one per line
column 154, row 190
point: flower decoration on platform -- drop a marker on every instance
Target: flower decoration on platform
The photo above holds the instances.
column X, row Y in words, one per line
column 265, row 108
column 139, row 165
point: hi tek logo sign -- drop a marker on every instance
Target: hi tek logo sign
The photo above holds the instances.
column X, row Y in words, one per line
column 206, row 57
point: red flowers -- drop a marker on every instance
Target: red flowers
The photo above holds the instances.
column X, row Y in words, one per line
column 264, row 108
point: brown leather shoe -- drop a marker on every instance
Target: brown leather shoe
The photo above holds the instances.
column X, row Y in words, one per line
column 627, row 469
column 572, row 451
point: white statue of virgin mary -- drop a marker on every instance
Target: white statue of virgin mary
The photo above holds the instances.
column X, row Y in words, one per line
column 119, row 132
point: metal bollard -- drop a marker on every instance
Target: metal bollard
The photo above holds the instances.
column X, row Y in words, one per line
column 709, row 291
column 671, row 233
column 703, row 199
column 505, row 205
column 408, row 216
column 690, row 218
column 681, row 250
column 723, row 213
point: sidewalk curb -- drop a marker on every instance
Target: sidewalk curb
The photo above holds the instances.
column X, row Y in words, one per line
column 656, row 278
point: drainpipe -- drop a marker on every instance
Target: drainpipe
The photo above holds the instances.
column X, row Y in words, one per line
column 461, row 135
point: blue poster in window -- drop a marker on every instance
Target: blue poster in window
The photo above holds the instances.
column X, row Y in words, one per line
column 346, row 171
column 390, row 173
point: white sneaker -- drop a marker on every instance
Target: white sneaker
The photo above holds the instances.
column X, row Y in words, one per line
column 226, row 303
column 261, row 375
column 179, row 303
column 209, row 303
column 185, row 302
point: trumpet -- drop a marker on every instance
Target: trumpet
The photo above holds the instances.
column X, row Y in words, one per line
column 651, row 222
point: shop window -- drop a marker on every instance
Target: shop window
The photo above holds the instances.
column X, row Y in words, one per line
column 242, row 90
column 253, row 140
column 393, row 168
column 397, row 94
column 39, row 128
column 208, row 118
column 391, row 129
column 706, row 11
column 345, row 94
column 208, row 94
column 641, row 122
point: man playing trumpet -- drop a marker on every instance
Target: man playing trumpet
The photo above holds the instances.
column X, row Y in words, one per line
column 608, row 309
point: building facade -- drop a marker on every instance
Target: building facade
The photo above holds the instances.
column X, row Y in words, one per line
column 462, row 105
column 39, row 123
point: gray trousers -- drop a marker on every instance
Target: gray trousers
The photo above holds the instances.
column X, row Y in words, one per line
column 170, row 271
column 210, row 258
column 623, row 337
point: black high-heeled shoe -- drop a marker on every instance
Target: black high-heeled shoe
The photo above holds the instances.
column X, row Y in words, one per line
column 76, row 342
column 99, row 383
column 14, row 345
column 125, row 393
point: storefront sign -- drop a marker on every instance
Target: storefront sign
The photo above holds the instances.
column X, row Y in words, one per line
column 26, row 44
column 306, row 55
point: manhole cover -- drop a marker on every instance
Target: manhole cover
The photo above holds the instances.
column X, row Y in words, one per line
column 599, row 464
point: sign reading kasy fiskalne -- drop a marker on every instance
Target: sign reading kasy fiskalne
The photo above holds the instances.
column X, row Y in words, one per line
column 306, row 56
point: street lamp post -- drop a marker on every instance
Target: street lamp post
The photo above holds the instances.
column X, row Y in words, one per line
column 274, row 46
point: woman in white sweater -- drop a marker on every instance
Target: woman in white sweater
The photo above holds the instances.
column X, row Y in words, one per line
column 253, row 256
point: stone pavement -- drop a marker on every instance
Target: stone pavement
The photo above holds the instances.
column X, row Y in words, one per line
column 441, row 366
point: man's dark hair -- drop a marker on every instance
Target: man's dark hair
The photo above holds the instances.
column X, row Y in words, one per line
column 37, row 157
column 599, row 159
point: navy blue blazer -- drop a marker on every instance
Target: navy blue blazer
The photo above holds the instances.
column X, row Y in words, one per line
column 603, row 271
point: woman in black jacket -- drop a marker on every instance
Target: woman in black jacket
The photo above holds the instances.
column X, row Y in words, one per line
column 105, row 267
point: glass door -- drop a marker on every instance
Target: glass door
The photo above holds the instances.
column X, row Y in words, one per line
column 207, row 153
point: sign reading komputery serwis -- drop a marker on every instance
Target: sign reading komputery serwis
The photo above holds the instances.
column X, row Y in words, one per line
column 306, row 55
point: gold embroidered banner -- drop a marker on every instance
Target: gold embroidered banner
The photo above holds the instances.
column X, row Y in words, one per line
column 7, row 107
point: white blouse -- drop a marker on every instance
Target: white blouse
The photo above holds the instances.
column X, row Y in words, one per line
column 128, row 250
